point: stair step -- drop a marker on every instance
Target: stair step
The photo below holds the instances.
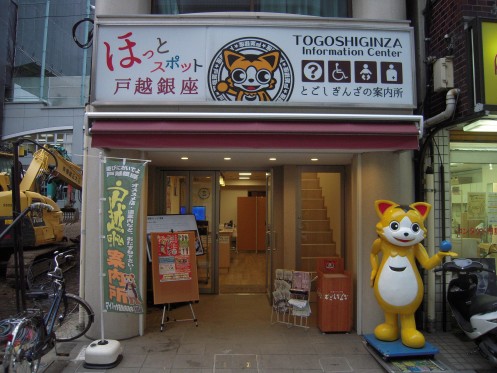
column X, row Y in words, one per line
column 316, row 237
column 313, row 203
column 315, row 225
column 310, row 184
column 313, row 250
column 311, row 193
column 314, row 214
column 310, row 263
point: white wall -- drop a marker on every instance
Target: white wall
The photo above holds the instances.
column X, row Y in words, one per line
column 228, row 209
column 384, row 9
column 377, row 176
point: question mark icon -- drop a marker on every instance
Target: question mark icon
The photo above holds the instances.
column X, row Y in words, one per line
column 313, row 71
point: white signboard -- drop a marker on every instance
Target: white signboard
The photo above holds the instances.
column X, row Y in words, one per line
column 250, row 65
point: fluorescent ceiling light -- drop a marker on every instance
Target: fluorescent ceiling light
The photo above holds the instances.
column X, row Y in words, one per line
column 245, row 173
column 482, row 125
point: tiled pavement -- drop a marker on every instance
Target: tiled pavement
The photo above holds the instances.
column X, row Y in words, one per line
column 234, row 334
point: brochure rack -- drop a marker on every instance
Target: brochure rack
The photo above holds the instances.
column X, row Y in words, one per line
column 291, row 298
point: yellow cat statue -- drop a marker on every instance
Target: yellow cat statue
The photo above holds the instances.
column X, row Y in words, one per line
column 396, row 280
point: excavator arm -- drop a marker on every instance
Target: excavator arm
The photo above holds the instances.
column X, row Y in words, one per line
column 50, row 162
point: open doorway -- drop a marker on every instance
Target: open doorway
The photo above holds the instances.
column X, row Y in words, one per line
column 242, row 232
column 230, row 208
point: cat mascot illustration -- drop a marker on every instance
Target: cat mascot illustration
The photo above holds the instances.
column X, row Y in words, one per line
column 396, row 280
column 250, row 76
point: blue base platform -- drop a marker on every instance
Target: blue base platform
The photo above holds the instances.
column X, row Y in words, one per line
column 395, row 349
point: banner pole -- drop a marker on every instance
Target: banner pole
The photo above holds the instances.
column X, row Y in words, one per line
column 101, row 234
column 102, row 354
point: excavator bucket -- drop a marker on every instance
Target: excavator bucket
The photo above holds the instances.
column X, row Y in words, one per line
column 70, row 215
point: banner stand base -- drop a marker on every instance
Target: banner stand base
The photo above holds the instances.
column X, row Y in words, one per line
column 103, row 354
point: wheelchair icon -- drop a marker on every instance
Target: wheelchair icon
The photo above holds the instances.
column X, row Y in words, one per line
column 338, row 74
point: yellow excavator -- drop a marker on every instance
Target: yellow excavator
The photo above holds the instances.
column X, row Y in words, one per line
column 42, row 229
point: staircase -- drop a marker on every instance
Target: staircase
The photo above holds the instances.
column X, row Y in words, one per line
column 316, row 239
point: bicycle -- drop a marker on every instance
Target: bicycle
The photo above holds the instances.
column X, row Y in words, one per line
column 34, row 333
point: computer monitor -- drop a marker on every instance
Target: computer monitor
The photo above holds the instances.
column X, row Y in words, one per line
column 199, row 212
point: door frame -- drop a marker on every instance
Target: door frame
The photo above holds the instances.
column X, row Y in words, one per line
column 269, row 235
column 189, row 176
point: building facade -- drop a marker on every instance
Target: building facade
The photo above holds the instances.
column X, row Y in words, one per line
column 388, row 130
column 343, row 92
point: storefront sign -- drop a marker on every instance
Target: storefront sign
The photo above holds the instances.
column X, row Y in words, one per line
column 249, row 65
column 122, row 188
column 489, row 50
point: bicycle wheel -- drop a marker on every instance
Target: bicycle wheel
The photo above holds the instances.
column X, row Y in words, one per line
column 23, row 352
column 74, row 318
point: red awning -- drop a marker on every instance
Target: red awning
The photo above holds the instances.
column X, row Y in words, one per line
column 254, row 135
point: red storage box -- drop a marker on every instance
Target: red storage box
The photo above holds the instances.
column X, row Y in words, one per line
column 335, row 299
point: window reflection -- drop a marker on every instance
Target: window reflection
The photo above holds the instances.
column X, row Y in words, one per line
column 323, row 8
column 473, row 208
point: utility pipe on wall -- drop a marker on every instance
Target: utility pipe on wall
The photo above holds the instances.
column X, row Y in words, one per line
column 450, row 101
column 450, row 107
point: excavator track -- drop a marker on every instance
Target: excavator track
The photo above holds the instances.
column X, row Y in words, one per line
column 38, row 262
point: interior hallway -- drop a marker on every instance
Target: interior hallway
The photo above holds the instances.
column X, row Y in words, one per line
column 247, row 273
column 234, row 334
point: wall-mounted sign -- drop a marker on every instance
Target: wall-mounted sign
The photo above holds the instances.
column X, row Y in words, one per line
column 489, row 53
column 250, row 65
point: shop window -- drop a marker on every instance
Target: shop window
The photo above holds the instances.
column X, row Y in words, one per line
column 474, row 209
column 322, row 8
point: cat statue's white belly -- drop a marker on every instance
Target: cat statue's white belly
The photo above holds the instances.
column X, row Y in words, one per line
column 397, row 283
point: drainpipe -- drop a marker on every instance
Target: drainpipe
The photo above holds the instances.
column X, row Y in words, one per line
column 450, row 101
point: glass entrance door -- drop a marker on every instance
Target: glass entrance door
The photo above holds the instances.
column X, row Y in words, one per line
column 203, row 202
column 194, row 192
column 234, row 218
